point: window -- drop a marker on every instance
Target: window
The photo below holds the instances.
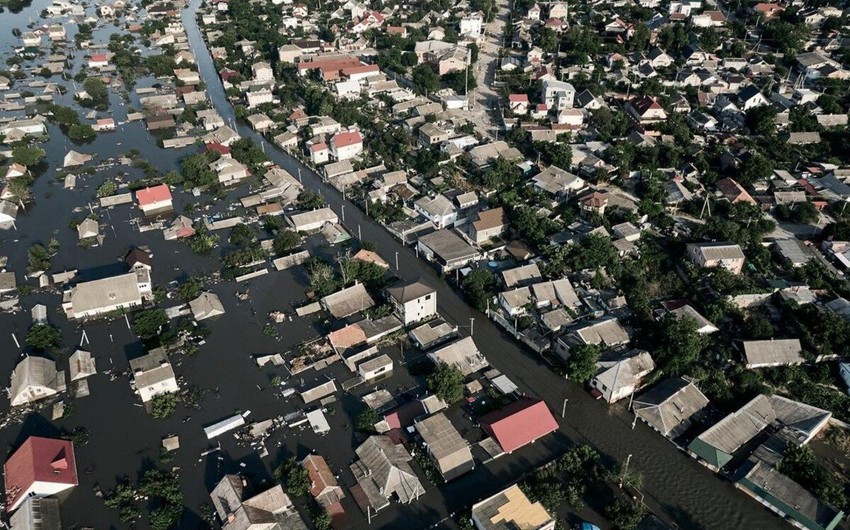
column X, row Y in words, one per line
column 427, row 297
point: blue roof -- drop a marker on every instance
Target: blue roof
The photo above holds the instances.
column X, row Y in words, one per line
column 589, row 526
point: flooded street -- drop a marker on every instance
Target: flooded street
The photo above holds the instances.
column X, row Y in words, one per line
column 124, row 440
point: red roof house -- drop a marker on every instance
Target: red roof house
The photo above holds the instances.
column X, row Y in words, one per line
column 519, row 424
column 41, row 467
column 218, row 148
column 155, row 198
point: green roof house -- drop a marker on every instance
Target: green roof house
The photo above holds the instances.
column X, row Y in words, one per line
column 717, row 446
column 786, row 497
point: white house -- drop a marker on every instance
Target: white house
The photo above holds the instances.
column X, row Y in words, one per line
column 413, row 301
column 153, row 375
column 470, row 25
column 320, row 153
column 97, row 297
column 618, row 379
column 557, row 94
column 439, row 210
column 346, row 145
column 263, row 73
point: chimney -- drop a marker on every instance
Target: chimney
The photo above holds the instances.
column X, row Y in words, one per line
column 231, row 517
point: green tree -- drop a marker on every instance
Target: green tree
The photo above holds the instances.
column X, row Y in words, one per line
column 148, row 323
column 447, row 382
column 163, row 405
column 27, row 155
column 756, row 168
column 242, row 235
column 479, row 285
column 43, row 337
column 98, row 95
column 460, row 80
column 190, row 289
column 799, row 463
column 107, row 189
column 680, row 345
column 366, row 420
column 625, row 514
column 64, row 115
column 323, row 280
column 284, row 241
column 81, row 132
column 581, row 363
column 294, row 476
column 762, row 120
column 310, row 200
column 425, row 79
column 38, row 258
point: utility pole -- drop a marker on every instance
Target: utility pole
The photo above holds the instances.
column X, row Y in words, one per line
column 343, row 213
column 396, row 260
column 564, row 408
column 471, row 326
column 625, row 470
column 358, row 233
column 299, row 176
column 631, row 400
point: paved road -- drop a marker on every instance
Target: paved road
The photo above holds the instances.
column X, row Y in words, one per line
column 684, row 490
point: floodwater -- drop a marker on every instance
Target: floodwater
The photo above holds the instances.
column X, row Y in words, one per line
column 124, row 440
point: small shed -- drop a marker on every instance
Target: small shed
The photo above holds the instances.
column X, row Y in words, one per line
column 81, row 365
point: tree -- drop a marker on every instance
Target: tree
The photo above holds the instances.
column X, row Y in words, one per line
column 799, row 464
column 190, row 289
column 246, row 151
column 64, row 115
column 163, row 405
column 27, row 155
column 98, row 96
column 830, row 104
column 479, row 286
column 366, row 420
column 38, row 258
column 242, row 235
column 756, row 168
column 295, row 476
column 625, row 514
column 460, row 80
column 679, row 344
column 106, row 189
column 447, row 383
column 548, row 40
column 762, row 120
column 148, row 323
column 310, row 200
column 581, row 364
column 43, row 337
column 81, row 132
column 323, row 280
column 203, row 242
column 425, row 79
column 284, row 241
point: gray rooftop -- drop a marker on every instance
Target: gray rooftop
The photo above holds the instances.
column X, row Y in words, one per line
column 669, row 406
column 348, row 301
column 773, row 352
